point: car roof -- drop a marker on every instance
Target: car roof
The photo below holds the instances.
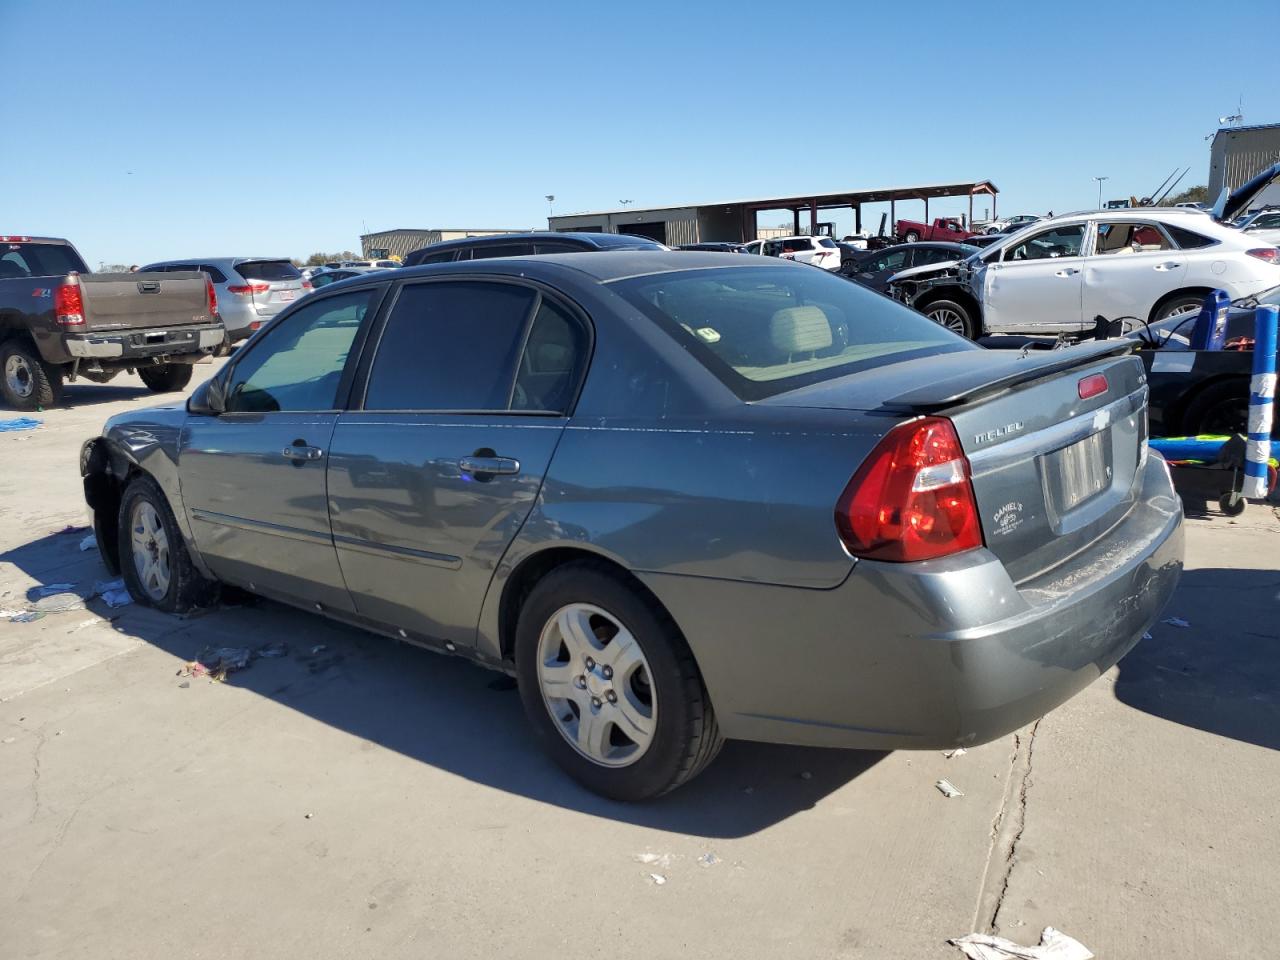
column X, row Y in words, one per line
column 230, row 260
column 599, row 240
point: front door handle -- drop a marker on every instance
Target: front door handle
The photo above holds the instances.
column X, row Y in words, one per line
column 300, row 451
column 488, row 465
column 1166, row 266
column 1068, row 272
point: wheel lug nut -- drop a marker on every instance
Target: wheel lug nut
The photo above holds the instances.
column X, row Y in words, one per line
column 580, row 682
column 595, row 701
column 611, row 697
column 608, row 673
column 591, row 664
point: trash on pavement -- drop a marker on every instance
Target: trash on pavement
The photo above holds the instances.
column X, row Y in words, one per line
column 87, row 623
column 1177, row 622
column 658, row 879
column 48, row 589
column 60, row 602
column 14, row 424
column 277, row 648
column 220, row 661
column 948, row 789
column 806, row 775
column 89, row 543
column 708, row 859
column 26, row 616
column 661, row 859
column 117, row 598
column 1054, row 945
column 957, row 752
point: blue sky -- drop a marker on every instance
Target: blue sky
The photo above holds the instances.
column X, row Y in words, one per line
column 154, row 128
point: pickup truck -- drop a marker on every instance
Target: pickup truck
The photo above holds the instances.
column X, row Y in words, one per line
column 942, row 228
column 58, row 320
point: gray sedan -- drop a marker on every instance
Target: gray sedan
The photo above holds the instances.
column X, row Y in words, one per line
column 679, row 496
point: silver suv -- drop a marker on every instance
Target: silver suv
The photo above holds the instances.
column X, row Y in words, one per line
column 251, row 290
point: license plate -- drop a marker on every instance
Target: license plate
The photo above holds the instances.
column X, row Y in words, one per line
column 1078, row 472
column 286, row 295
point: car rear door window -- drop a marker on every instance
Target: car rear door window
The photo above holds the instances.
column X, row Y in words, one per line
column 450, row 346
column 298, row 362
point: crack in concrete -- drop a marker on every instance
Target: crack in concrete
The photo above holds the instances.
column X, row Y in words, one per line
column 1006, row 832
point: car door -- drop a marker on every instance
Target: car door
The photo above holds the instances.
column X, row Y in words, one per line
column 1035, row 285
column 1131, row 264
column 435, row 468
column 253, row 477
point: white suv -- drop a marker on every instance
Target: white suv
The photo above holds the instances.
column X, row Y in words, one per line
column 1059, row 274
column 819, row 251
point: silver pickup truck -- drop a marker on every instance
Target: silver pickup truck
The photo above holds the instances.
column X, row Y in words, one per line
column 59, row 321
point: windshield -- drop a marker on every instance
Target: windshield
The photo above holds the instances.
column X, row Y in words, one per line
column 766, row 330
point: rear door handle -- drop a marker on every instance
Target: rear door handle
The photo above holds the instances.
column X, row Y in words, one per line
column 490, row 465
column 300, row 450
column 1067, row 272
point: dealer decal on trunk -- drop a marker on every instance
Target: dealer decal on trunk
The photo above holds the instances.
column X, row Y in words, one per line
column 1008, row 518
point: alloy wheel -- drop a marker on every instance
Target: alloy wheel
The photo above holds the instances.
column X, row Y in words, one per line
column 150, row 551
column 949, row 319
column 596, row 685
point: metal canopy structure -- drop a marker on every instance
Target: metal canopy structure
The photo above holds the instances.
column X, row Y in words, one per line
column 743, row 213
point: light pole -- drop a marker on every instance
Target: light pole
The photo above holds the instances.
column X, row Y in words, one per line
column 551, row 210
column 1100, row 179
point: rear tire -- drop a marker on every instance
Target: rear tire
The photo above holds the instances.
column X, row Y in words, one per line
column 558, row 687
column 153, row 556
column 1189, row 301
column 166, row 378
column 954, row 316
column 26, row 381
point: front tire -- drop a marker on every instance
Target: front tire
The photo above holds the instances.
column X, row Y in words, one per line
column 610, row 686
column 952, row 315
column 153, row 556
column 167, row 377
column 911, row 237
column 27, row 382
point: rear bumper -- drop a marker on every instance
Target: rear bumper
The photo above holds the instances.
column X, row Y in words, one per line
column 143, row 344
column 929, row 655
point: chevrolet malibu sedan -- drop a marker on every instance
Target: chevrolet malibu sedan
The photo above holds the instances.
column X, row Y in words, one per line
column 679, row 496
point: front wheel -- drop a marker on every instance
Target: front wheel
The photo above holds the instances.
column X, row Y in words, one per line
column 911, row 237
column 27, row 382
column 153, row 557
column 952, row 315
column 610, row 686
column 167, row 377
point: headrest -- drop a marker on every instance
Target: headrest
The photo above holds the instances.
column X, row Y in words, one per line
column 800, row 330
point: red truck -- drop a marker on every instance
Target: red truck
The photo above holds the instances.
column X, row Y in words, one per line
column 942, row 228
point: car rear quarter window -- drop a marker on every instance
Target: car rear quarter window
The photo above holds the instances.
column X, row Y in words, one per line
column 1188, row 239
column 450, row 346
column 770, row 329
column 216, row 275
column 827, row 243
column 270, row 271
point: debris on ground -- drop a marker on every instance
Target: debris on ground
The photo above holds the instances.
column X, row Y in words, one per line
column 49, row 589
column 89, row 543
column 277, row 648
column 112, row 592
column 220, row 661
column 1146, row 636
column 1177, row 622
column 948, row 789
column 806, row 775
column 59, row 603
column 659, row 859
column 27, row 616
column 307, row 816
column 14, row 424
column 657, row 879
column 318, row 648
column 708, row 859
column 957, row 752
column 193, row 668
column 1054, row 945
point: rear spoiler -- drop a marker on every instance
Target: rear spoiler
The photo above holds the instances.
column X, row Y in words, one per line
column 1008, row 368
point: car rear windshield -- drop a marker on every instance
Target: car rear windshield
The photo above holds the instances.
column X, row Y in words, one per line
column 19, row 260
column 268, row 270
column 766, row 330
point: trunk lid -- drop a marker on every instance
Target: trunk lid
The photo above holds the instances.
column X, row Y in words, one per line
column 283, row 281
column 133, row 301
column 1052, row 470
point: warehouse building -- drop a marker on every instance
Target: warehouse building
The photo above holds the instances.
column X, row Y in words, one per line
column 736, row 220
column 1239, row 153
column 401, row 241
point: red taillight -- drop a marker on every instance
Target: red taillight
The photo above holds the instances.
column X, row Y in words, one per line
column 911, row 499
column 68, row 305
column 249, row 289
column 306, row 285
column 1092, row 385
column 211, row 296
column 1269, row 254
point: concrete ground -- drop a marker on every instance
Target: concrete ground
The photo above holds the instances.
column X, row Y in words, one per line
column 362, row 799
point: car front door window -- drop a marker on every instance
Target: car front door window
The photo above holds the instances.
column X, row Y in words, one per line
column 298, row 362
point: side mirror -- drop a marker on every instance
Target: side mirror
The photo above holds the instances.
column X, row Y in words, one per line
column 208, row 399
